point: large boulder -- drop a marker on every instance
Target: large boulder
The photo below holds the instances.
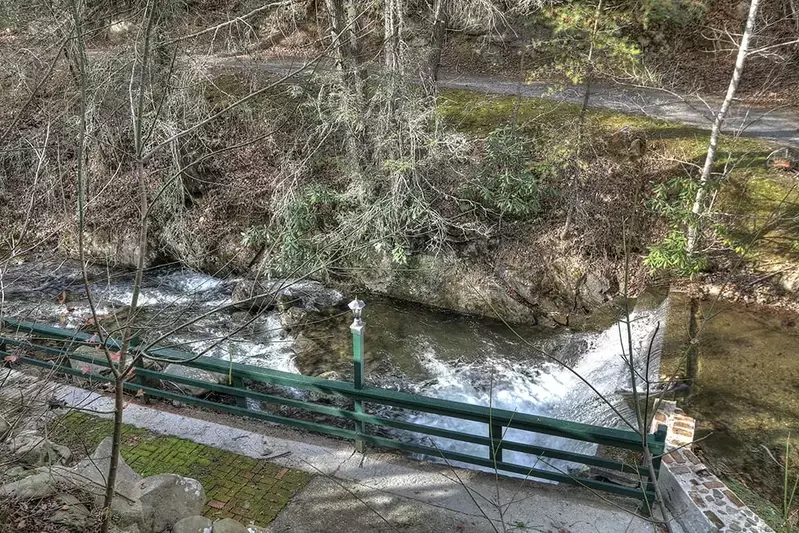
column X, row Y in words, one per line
column 194, row 373
column 310, row 356
column 128, row 515
column 31, row 448
column 257, row 295
column 91, row 473
column 116, row 528
column 171, row 498
column 193, row 524
column 37, row 486
column 153, row 504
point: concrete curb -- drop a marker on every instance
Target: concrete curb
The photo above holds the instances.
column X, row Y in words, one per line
column 699, row 500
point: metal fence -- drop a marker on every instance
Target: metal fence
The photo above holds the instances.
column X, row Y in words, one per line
column 53, row 348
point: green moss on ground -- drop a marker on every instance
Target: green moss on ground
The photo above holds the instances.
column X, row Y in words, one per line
column 476, row 113
column 246, row 489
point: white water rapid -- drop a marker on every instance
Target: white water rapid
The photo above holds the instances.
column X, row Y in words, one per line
column 433, row 354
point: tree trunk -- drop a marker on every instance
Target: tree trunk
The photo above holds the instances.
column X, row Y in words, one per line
column 392, row 30
column 692, row 359
column 335, row 13
column 440, row 22
column 577, row 179
column 575, row 182
column 344, row 38
column 694, row 228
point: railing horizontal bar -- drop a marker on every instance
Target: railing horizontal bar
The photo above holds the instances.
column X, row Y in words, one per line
column 374, row 440
column 542, row 451
column 551, row 453
column 572, row 430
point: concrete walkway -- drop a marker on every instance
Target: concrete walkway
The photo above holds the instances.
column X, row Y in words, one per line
column 377, row 492
column 780, row 124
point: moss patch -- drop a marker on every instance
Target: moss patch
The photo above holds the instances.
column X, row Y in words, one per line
column 248, row 490
column 477, row 113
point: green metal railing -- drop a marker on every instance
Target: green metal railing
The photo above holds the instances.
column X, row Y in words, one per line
column 52, row 348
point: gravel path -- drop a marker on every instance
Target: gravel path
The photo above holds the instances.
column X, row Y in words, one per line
column 780, row 124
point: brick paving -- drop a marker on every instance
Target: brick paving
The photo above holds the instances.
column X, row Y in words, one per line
column 249, row 490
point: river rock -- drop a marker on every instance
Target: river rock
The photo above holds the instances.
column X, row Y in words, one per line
column 193, row 524
column 292, row 317
column 331, row 375
column 194, row 373
column 313, row 295
column 89, row 351
column 171, row 498
column 71, row 512
column 91, row 473
column 228, row 525
column 310, row 356
column 258, row 295
column 31, row 448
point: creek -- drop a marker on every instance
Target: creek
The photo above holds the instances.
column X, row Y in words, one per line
column 409, row 347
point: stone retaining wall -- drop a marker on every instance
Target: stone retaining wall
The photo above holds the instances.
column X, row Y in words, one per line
column 699, row 500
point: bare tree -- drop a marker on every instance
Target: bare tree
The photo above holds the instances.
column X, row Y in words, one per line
column 441, row 10
column 694, row 228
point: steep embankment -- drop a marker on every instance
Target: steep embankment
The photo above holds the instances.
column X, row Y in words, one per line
column 458, row 200
column 221, row 217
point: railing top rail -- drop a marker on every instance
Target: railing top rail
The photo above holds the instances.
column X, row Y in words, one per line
column 534, row 423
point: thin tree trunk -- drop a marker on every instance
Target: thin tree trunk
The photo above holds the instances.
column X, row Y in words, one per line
column 335, row 13
column 137, row 115
column 692, row 361
column 81, row 189
column 517, row 104
column 344, row 37
column 695, row 227
column 575, row 183
column 392, row 28
column 354, row 50
column 440, row 22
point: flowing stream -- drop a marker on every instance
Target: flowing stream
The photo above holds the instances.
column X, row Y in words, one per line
column 481, row 362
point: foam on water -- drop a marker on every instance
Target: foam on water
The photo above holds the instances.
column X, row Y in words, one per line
column 551, row 390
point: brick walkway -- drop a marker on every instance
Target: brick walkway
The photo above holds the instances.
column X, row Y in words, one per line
column 249, row 490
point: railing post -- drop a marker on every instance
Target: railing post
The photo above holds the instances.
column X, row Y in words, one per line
column 138, row 363
column 356, row 328
column 140, row 380
column 660, row 448
column 657, row 450
column 241, row 401
column 495, row 434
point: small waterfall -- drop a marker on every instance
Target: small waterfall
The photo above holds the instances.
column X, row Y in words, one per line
column 551, row 390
